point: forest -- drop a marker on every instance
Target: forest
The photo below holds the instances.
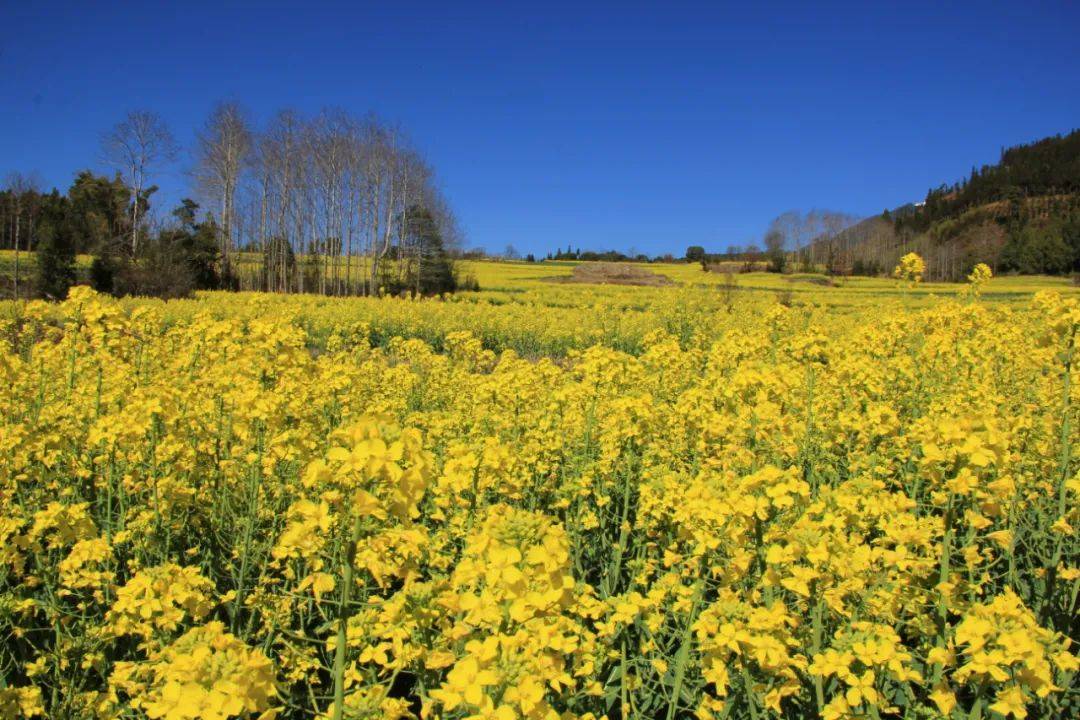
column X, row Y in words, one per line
column 1044, row 169
column 332, row 204
column 1020, row 215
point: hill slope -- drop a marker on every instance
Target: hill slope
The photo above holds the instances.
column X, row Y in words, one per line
column 1019, row 215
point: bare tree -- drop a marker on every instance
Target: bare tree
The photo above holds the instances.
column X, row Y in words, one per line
column 833, row 224
column 136, row 146
column 221, row 150
column 816, row 236
column 452, row 233
column 380, row 171
column 330, row 140
column 790, row 225
column 329, row 201
column 751, row 256
column 281, row 156
column 22, row 190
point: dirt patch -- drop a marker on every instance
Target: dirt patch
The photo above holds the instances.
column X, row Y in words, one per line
column 737, row 266
column 604, row 273
column 814, row 280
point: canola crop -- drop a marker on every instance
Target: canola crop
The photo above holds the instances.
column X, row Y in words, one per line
column 252, row 507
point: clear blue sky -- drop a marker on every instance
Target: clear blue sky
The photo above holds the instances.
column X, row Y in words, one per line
column 608, row 126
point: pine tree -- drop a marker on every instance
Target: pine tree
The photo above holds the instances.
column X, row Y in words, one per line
column 55, row 260
column 434, row 271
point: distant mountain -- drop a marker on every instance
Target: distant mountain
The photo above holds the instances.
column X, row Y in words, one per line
column 1019, row 215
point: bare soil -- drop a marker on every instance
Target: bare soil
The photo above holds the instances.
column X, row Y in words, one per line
column 605, row 273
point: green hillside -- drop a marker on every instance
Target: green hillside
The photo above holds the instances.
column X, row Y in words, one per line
column 1021, row 214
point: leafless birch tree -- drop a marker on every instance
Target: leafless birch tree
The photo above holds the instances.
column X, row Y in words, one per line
column 137, row 145
column 221, row 150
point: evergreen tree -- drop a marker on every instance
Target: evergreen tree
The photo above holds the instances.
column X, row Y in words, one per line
column 434, row 271
column 98, row 213
column 55, row 247
column 193, row 246
column 55, row 259
column 695, row 253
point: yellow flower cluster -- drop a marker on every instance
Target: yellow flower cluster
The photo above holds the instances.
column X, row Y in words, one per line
column 21, row 702
column 979, row 276
column 910, row 268
column 159, row 599
column 207, row 674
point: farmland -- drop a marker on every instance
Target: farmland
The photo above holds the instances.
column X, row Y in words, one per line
column 732, row 496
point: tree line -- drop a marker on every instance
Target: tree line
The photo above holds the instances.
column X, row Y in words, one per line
column 1046, row 168
column 333, row 204
column 804, row 241
column 1021, row 214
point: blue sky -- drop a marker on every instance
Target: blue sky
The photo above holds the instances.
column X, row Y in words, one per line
column 646, row 126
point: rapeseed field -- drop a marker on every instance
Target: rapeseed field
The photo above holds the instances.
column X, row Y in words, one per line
column 731, row 497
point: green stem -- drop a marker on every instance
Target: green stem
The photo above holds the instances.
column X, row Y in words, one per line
column 249, row 529
column 819, row 690
column 1046, row 602
column 611, row 582
column 976, row 708
column 622, row 680
column 943, row 577
column 344, row 612
column 750, row 699
column 684, row 650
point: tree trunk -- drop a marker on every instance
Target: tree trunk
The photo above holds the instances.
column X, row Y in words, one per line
column 18, row 212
